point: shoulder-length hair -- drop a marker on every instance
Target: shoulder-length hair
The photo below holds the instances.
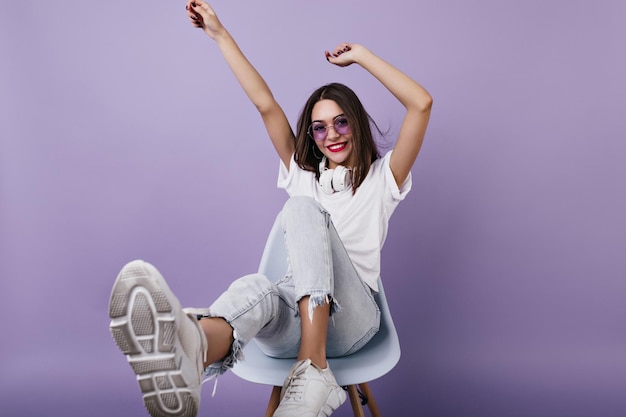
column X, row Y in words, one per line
column 364, row 147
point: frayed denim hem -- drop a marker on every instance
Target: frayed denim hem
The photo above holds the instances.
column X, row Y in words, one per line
column 236, row 354
column 318, row 298
column 236, row 351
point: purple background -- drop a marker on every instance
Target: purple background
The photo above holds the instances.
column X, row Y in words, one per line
column 124, row 135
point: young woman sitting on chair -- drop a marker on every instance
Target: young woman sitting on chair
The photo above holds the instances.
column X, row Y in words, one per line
column 342, row 194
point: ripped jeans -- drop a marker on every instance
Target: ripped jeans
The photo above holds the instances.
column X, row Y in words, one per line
column 319, row 267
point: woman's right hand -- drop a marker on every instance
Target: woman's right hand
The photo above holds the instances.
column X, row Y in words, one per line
column 202, row 16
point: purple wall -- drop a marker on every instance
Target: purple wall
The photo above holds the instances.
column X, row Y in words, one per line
column 123, row 135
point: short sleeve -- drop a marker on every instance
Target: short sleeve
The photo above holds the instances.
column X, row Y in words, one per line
column 397, row 193
column 285, row 176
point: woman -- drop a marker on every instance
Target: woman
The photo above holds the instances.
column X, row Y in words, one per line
column 342, row 194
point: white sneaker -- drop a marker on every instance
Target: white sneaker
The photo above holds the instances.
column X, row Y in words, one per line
column 309, row 392
column 163, row 345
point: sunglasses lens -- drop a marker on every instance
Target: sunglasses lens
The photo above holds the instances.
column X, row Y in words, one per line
column 342, row 126
column 318, row 131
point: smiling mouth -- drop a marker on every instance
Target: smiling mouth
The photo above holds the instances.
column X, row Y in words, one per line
column 338, row 147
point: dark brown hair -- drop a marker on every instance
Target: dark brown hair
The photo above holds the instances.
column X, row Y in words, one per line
column 364, row 147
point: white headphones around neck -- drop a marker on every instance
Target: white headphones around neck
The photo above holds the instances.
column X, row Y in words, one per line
column 332, row 180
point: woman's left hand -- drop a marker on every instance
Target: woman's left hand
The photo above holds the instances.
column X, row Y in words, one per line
column 343, row 55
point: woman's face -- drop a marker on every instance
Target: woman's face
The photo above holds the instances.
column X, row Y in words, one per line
column 328, row 117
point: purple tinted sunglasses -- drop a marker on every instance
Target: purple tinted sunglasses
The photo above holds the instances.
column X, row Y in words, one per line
column 319, row 131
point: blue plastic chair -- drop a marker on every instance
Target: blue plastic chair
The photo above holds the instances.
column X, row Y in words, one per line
column 374, row 360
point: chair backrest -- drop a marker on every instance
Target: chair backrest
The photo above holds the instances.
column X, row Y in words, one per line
column 374, row 360
column 274, row 259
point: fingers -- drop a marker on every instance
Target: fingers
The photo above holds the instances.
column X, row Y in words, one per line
column 200, row 7
column 198, row 11
column 337, row 56
column 344, row 47
column 194, row 16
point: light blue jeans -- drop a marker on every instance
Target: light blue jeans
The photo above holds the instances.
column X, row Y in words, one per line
column 319, row 267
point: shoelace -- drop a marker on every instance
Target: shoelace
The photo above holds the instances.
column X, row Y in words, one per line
column 295, row 384
column 214, row 385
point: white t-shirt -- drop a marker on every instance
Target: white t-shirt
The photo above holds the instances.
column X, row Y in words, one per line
column 361, row 219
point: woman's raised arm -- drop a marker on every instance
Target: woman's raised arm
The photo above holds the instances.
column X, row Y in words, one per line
column 413, row 97
column 203, row 16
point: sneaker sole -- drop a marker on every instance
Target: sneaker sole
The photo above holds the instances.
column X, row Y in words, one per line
column 143, row 327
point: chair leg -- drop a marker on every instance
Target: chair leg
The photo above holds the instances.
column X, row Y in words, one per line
column 355, row 401
column 274, row 401
column 371, row 403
